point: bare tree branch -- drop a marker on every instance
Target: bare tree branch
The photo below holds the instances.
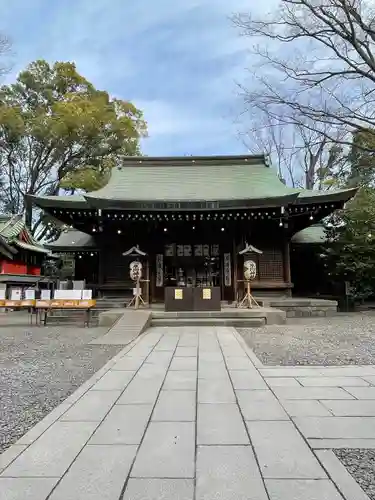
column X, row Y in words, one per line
column 315, row 60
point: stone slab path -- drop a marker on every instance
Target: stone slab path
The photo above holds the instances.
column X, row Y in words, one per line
column 191, row 414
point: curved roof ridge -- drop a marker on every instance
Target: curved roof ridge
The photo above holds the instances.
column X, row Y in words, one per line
column 188, row 159
column 236, row 180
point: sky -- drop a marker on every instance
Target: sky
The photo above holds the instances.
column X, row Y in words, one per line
column 179, row 61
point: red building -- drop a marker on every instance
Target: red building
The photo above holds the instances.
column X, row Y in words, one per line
column 21, row 256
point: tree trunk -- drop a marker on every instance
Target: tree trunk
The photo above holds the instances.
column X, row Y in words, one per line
column 28, row 212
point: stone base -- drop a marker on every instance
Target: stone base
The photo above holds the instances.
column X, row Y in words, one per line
column 303, row 308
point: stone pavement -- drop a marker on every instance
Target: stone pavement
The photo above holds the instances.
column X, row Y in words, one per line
column 190, row 413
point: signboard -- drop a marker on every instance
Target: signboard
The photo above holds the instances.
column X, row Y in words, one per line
column 349, row 289
column 178, row 294
column 198, row 250
column 27, row 303
column 43, row 304
column 215, row 250
column 180, row 250
column 227, row 270
column 15, row 294
column 61, row 304
column 169, row 250
column 87, row 303
column 187, row 250
column 68, row 294
column 12, row 303
column 30, row 294
column 18, row 303
column 206, row 295
column 64, row 303
column 45, row 294
column 159, row 270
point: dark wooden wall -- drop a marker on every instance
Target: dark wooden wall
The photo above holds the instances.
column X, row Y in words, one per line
column 272, row 264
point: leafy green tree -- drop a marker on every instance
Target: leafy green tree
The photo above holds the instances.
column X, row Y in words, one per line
column 350, row 252
column 57, row 131
column 362, row 159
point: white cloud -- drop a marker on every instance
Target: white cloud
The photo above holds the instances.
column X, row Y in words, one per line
column 164, row 118
column 178, row 60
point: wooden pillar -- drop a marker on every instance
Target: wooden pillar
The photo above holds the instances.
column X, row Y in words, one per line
column 287, row 273
column 101, row 269
column 148, row 282
column 222, row 285
column 235, row 269
column 152, row 271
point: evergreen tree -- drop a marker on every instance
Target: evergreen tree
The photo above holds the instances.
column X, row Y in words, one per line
column 350, row 249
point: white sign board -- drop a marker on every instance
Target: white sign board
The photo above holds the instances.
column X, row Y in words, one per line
column 30, row 294
column 87, row 294
column 45, row 295
column 16, row 294
column 75, row 294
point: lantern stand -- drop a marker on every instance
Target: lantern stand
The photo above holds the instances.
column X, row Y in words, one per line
column 136, row 274
column 250, row 272
column 248, row 300
column 137, row 298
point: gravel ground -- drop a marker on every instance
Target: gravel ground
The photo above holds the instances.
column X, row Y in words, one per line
column 361, row 465
column 39, row 368
column 347, row 339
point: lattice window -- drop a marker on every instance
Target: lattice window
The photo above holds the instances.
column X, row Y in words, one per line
column 271, row 265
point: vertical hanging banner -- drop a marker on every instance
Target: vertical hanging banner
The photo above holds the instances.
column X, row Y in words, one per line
column 227, row 270
column 159, row 270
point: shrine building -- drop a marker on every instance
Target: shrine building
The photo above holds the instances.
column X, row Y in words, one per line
column 188, row 218
column 21, row 255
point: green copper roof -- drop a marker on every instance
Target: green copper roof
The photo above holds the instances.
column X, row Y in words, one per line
column 31, row 248
column 68, row 201
column 311, row 235
column 72, row 239
column 312, row 196
column 11, row 228
column 193, row 181
column 227, row 180
column 5, row 249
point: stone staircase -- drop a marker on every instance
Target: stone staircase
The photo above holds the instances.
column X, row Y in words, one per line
column 115, row 302
column 241, row 318
column 274, row 311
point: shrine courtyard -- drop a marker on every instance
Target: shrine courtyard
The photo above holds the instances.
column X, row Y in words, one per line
column 278, row 412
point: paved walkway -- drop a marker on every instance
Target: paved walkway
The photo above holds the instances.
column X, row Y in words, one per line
column 187, row 414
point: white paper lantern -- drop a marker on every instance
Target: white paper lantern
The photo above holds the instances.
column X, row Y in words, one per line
column 135, row 270
column 250, row 270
